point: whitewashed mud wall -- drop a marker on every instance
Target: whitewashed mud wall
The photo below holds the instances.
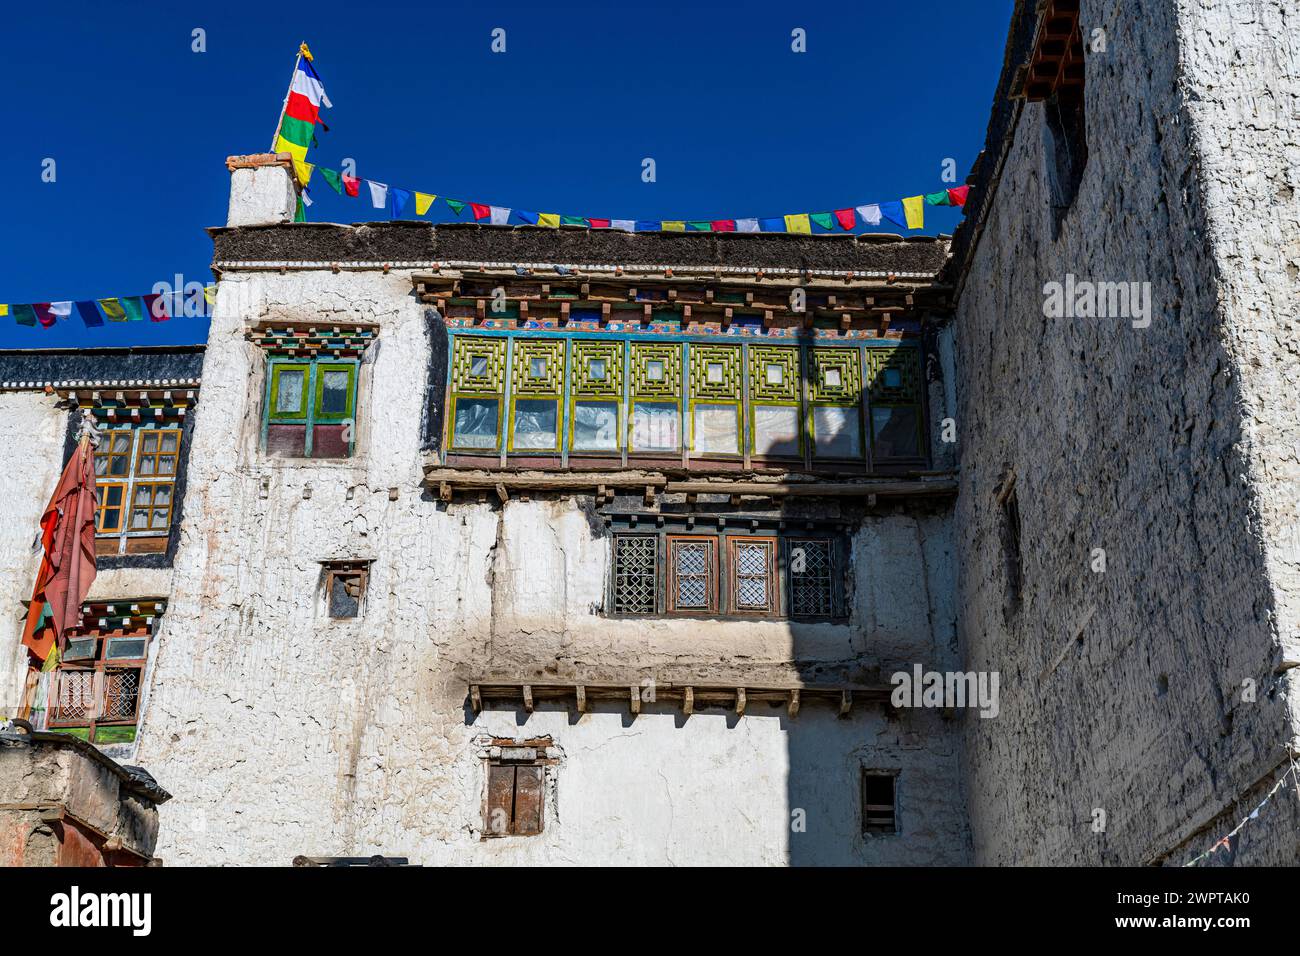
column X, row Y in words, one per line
column 282, row 732
column 31, row 422
column 1171, row 447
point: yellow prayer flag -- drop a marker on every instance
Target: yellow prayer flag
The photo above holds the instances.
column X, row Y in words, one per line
column 303, row 171
column 210, row 294
column 798, row 223
column 299, row 153
column 4, row 309
column 551, row 219
column 673, row 225
column 422, row 202
column 914, row 210
column 113, row 309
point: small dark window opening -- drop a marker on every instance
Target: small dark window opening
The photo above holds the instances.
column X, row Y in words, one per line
column 1011, row 548
column 1066, row 147
column 879, row 802
column 345, row 589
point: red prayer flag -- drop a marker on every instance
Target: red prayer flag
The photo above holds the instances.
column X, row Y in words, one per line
column 724, row 225
column 351, row 184
column 480, row 211
column 68, row 565
column 846, row 218
column 598, row 223
column 156, row 306
column 301, row 108
column 43, row 313
column 957, row 196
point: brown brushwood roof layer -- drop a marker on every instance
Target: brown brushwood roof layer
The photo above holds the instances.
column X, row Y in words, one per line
column 421, row 241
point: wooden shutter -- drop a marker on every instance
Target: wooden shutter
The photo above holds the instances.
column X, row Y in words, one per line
column 500, row 801
column 528, row 801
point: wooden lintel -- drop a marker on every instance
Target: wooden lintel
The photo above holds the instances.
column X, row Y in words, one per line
column 688, row 700
column 740, row 702
column 580, row 697
column 528, row 697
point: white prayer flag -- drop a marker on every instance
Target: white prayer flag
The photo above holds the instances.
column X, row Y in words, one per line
column 625, row 225
column 870, row 214
column 500, row 215
column 378, row 194
column 746, row 225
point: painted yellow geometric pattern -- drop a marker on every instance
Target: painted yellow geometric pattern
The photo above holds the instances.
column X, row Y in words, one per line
column 716, row 372
column 894, row 375
column 656, row 370
column 836, row 376
column 478, row 366
column 594, row 359
column 774, row 373
column 538, row 367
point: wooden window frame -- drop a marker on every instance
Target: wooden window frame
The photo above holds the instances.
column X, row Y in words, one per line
column 100, row 665
column 838, row 590
column 773, row 547
column 309, row 413
column 342, row 569
column 149, row 539
column 656, row 589
column 711, row 574
column 496, row 770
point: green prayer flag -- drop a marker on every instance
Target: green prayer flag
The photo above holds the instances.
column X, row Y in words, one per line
column 24, row 315
column 333, row 178
column 296, row 131
column 113, row 309
column 299, row 213
column 572, row 221
column 823, row 219
column 455, row 205
column 938, row 199
column 133, row 305
column 699, row 225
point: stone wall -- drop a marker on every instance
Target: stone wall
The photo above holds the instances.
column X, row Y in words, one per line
column 1172, row 447
column 281, row 731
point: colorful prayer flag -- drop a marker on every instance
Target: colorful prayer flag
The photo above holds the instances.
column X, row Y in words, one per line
column 623, row 225
column 422, row 202
column 724, row 225
column 398, row 199
column 914, row 209
column 549, row 219
column 43, row 314
column 870, row 214
column 958, row 195
column 528, row 218
column 133, row 305
column 90, row 316
column 598, row 223
column 648, row 225
column 352, row 184
column 572, row 220
column 24, row 315
column 4, row 309
column 746, row 225
column 378, row 194
column 798, row 224
column 893, row 211
column 699, row 225
column 301, row 112
column 674, row 225
column 303, row 171
column 938, row 199
column 156, row 306
column 455, row 205
column 479, row 210
column 500, row 215
column 772, row 225
column 332, row 177
column 823, row 219
column 113, row 310
column 846, row 219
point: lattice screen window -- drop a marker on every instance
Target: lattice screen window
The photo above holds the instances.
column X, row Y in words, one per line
column 596, row 379
column 636, row 573
column 775, row 392
column 478, row 381
column 753, row 575
column 693, row 572
column 835, row 387
column 811, row 569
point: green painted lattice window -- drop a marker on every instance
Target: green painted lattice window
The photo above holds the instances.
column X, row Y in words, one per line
column 717, row 397
column 835, row 390
column 894, row 385
column 775, row 394
column 536, row 390
column 656, row 417
column 596, row 397
column 311, row 408
column 478, row 381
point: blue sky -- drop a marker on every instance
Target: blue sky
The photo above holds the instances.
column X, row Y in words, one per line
column 738, row 124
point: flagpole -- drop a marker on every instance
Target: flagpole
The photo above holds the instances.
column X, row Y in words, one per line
column 287, row 93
